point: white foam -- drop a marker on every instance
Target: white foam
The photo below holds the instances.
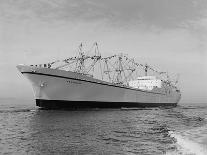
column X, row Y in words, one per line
column 32, row 110
column 186, row 146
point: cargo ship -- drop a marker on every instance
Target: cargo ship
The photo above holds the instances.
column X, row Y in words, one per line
column 94, row 81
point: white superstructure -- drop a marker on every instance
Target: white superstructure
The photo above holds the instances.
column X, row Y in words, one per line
column 146, row 83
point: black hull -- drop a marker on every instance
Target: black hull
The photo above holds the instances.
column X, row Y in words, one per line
column 61, row 104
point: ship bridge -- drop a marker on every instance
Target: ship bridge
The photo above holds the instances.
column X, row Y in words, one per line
column 146, row 82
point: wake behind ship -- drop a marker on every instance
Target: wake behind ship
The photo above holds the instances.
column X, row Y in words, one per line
column 94, row 81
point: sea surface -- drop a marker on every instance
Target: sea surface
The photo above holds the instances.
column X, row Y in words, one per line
column 26, row 129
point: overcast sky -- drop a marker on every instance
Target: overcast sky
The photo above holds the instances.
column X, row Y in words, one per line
column 171, row 35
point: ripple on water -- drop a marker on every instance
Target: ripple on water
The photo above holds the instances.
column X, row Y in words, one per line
column 119, row 131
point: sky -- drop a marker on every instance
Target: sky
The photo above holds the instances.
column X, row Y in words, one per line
column 170, row 35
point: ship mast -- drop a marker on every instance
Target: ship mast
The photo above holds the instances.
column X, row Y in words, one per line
column 81, row 59
column 146, row 69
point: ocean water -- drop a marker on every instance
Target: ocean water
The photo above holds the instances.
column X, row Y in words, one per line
column 26, row 129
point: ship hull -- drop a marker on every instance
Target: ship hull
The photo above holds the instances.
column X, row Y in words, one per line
column 62, row 104
column 64, row 89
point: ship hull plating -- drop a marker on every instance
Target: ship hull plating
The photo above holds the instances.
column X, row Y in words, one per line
column 62, row 104
column 64, row 89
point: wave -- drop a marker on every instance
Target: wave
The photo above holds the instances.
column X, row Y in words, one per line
column 16, row 110
column 137, row 108
column 186, row 146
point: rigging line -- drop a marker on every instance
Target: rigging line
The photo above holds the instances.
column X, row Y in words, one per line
column 112, row 65
column 101, row 70
column 109, row 57
column 138, row 65
column 65, row 65
column 54, row 62
column 92, row 66
column 113, row 79
column 124, row 62
column 95, row 59
column 135, row 66
column 132, row 66
column 108, row 70
column 151, row 68
column 76, row 65
column 122, row 67
column 96, row 48
column 118, row 70
column 130, row 69
column 130, row 72
column 125, row 76
column 133, row 61
column 119, row 76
